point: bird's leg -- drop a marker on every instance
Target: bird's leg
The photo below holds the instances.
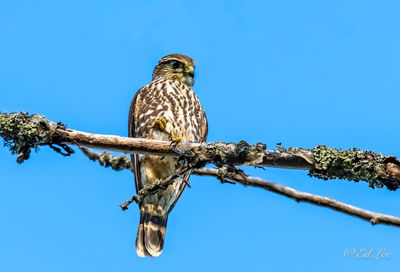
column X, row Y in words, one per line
column 161, row 124
column 174, row 141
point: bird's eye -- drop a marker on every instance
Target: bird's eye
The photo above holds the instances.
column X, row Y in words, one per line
column 175, row 64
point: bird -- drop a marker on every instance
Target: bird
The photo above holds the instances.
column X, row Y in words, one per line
column 165, row 109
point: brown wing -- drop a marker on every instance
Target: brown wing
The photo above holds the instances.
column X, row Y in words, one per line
column 204, row 127
column 132, row 123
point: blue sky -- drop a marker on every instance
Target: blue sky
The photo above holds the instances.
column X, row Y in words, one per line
column 298, row 72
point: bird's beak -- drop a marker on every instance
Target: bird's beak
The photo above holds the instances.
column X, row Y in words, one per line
column 189, row 69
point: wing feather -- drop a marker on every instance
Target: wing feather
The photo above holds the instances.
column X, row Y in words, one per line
column 132, row 124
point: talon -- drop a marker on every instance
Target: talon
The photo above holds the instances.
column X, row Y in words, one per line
column 161, row 123
column 174, row 139
column 187, row 183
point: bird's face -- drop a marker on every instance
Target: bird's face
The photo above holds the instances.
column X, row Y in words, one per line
column 175, row 67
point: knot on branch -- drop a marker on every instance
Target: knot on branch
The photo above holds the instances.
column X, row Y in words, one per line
column 351, row 164
column 22, row 132
column 392, row 181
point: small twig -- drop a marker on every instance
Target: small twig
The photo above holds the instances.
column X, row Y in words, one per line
column 124, row 206
column 67, row 150
column 154, row 187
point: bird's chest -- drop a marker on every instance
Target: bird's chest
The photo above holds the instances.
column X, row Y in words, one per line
column 180, row 107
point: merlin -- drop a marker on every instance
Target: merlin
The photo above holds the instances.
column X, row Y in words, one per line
column 165, row 109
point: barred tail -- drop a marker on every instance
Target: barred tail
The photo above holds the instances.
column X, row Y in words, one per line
column 150, row 236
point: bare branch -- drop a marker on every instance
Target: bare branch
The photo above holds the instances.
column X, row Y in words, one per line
column 372, row 217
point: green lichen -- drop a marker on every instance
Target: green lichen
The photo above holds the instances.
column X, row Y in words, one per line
column 22, row 132
column 250, row 154
column 219, row 154
column 105, row 159
column 117, row 163
column 352, row 164
column 230, row 154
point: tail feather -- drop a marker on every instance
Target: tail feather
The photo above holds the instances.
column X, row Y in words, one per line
column 150, row 236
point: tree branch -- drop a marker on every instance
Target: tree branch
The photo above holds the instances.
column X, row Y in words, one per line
column 23, row 132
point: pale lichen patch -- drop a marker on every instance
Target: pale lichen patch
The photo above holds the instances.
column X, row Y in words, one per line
column 352, row 164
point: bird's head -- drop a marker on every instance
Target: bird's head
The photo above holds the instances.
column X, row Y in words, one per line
column 175, row 67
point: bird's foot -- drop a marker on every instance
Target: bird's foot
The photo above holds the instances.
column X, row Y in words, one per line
column 161, row 124
column 174, row 139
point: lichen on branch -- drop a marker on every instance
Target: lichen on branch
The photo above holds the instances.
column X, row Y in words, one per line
column 22, row 132
column 352, row 164
column 241, row 153
column 105, row 159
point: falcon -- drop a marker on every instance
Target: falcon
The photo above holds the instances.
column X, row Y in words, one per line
column 165, row 109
